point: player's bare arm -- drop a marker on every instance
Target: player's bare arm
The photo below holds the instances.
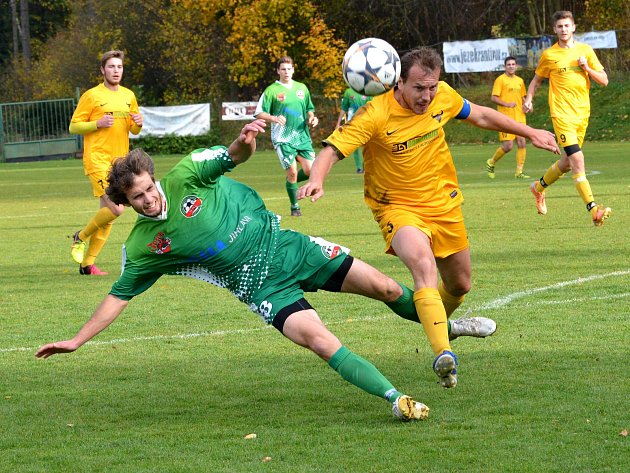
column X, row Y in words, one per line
column 489, row 119
column 498, row 101
column 598, row 76
column 244, row 146
column 322, row 165
column 528, row 106
column 279, row 119
column 103, row 316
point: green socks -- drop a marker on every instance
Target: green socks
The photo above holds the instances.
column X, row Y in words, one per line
column 362, row 374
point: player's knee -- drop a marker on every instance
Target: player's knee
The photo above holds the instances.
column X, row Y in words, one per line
column 572, row 149
column 459, row 288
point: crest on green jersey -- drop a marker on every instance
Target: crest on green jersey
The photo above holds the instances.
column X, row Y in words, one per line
column 190, row 206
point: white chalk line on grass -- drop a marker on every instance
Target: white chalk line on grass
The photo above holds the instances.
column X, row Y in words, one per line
column 505, row 300
column 492, row 305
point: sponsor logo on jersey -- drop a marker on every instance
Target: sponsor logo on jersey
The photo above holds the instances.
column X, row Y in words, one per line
column 161, row 244
column 421, row 140
column 190, row 206
column 281, row 96
column 300, row 94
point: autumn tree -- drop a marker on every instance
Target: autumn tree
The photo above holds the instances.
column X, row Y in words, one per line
column 259, row 32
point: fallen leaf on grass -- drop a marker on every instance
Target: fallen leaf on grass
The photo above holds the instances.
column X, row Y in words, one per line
column 266, row 459
column 250, row 436
column 624, row 433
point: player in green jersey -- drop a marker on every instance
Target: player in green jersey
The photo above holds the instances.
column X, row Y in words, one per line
column 199, row 223
column 350, row 103
column 287, row 105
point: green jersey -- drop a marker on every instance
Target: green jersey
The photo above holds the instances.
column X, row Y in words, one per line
column 293, row 102
column 211, row 228
column 353, row 101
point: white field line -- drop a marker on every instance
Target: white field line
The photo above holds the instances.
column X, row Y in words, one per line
column 492, row 305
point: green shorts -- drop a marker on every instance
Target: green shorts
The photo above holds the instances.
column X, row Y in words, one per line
column 301, row 264
column 287, row 153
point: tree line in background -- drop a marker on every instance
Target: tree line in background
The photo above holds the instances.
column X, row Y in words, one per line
column 186, row 51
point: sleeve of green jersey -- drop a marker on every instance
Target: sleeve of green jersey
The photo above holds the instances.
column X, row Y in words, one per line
column 133, row 281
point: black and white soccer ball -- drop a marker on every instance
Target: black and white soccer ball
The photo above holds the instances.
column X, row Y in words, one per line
column 371, row 66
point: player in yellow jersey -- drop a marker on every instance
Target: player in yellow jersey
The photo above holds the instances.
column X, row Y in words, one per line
column 508, row 92
column 410, row 184
column 104, row 115
column 569, row 66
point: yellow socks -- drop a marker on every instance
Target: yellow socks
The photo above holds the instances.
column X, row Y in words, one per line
column 433, row 317
column 100, row 220
column 498, row 154
column 449, row 301
column 583, row 187
column 520, row 159
column 96, row 232
column 551, row 175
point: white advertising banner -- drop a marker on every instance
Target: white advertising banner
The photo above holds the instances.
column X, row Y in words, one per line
column 179, row 120
column 598, row 39
column 475, row 56
column 238, row 110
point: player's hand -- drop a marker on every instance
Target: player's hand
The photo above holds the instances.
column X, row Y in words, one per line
column 311, row 189
column 137, row 118
column 313, row 121
column 65, row 346
column 251, row 130
column 528, row 106
column 544, row 139
column 106, row 121
column 280, row 119
column 582, row 62
column 511, row 104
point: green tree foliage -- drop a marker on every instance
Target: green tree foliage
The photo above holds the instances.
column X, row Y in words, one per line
column 262, row 31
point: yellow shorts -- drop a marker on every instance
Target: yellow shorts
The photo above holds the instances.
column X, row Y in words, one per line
column 99, row 182
column 570, row 131
column 509, row 136
column 446, row 232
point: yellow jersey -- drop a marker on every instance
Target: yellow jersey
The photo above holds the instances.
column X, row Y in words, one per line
column 510, row 89
column 406, row 159
column 103, row 145
column 569, row 84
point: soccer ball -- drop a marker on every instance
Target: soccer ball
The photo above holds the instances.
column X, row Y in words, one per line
column 371, row 66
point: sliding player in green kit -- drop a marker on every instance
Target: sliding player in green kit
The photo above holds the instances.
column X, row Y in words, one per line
column 196, row 222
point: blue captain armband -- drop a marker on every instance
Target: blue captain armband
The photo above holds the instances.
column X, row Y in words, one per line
column 465, row 111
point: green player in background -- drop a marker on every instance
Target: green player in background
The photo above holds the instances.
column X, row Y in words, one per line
column 350, row 103
column 287, row 105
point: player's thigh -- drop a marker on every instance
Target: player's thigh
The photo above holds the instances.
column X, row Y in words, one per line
column 455, row 271
column 568, row 132
column 98, row 179
column 286, row 155
column 366, row 280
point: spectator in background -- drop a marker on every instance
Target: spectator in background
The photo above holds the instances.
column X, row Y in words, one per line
column 104, row 116
column 287, row 105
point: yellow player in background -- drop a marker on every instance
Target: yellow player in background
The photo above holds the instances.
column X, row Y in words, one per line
column 508, row 93
column 104, row 116
column 569, row 66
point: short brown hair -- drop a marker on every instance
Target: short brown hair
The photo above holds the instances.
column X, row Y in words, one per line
column 121, row 175
column 427, row 58
column 561, row 15
column 110, row 54
column 284, row 60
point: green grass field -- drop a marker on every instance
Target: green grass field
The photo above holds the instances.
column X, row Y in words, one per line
column 178, row 381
